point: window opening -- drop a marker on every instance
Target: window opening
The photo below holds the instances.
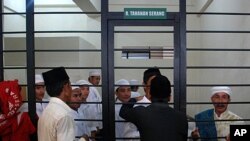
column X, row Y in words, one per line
column 147, row 52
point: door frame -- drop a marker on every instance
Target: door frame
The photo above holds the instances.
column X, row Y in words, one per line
column 116, row 19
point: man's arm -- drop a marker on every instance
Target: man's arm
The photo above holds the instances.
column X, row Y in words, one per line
column 126, row 109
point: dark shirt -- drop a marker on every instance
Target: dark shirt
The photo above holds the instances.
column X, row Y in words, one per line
column 157, row 122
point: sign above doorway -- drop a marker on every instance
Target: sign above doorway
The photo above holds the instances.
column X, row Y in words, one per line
column 145, row 13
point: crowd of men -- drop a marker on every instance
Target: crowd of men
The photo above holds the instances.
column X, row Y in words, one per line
column 74, row 111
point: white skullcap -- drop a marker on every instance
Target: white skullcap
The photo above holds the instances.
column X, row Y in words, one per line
column 94, row 73
column 74, row 86
column 134, row 82
column 121, row 82
column 135, row 94
column 82, row 82
column 39, row 78
column 224, row 89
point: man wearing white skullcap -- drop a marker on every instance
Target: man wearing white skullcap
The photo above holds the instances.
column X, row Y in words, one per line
column 90, row 111
column 123, row 94
column 80, row 126
column 84, row 88
column 123, row 90
column 41, row 102
column 40, row 88
column 94, row 93
column 94, row 77
column 130, row 130
column 220, row 97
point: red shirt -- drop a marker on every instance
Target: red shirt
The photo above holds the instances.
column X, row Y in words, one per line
column 20, row 129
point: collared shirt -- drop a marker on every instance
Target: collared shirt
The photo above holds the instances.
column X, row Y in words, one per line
column 223, row 127
column 56, row 123
column 80, row 126
column 130, row 130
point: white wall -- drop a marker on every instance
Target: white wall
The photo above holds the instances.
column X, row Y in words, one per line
column 222, row 58
column 49, row 59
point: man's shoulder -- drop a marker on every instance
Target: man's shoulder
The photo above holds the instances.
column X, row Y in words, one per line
column 233, row 115
column 57, row 110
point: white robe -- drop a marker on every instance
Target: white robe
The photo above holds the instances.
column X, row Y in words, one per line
column 81, row 128
column 92, row 111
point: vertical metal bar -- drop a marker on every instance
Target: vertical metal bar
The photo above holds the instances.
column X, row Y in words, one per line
column 30, row 59
column 1, row 42
column 183, row 59
column 111, row 79
column 177, row 76
column 107, row 80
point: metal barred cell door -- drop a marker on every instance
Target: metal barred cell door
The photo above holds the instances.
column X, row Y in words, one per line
column 134, row 45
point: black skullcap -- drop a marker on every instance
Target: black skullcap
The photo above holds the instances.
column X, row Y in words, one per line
column 150, row 72
column 55, row 75
column 160, row 87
